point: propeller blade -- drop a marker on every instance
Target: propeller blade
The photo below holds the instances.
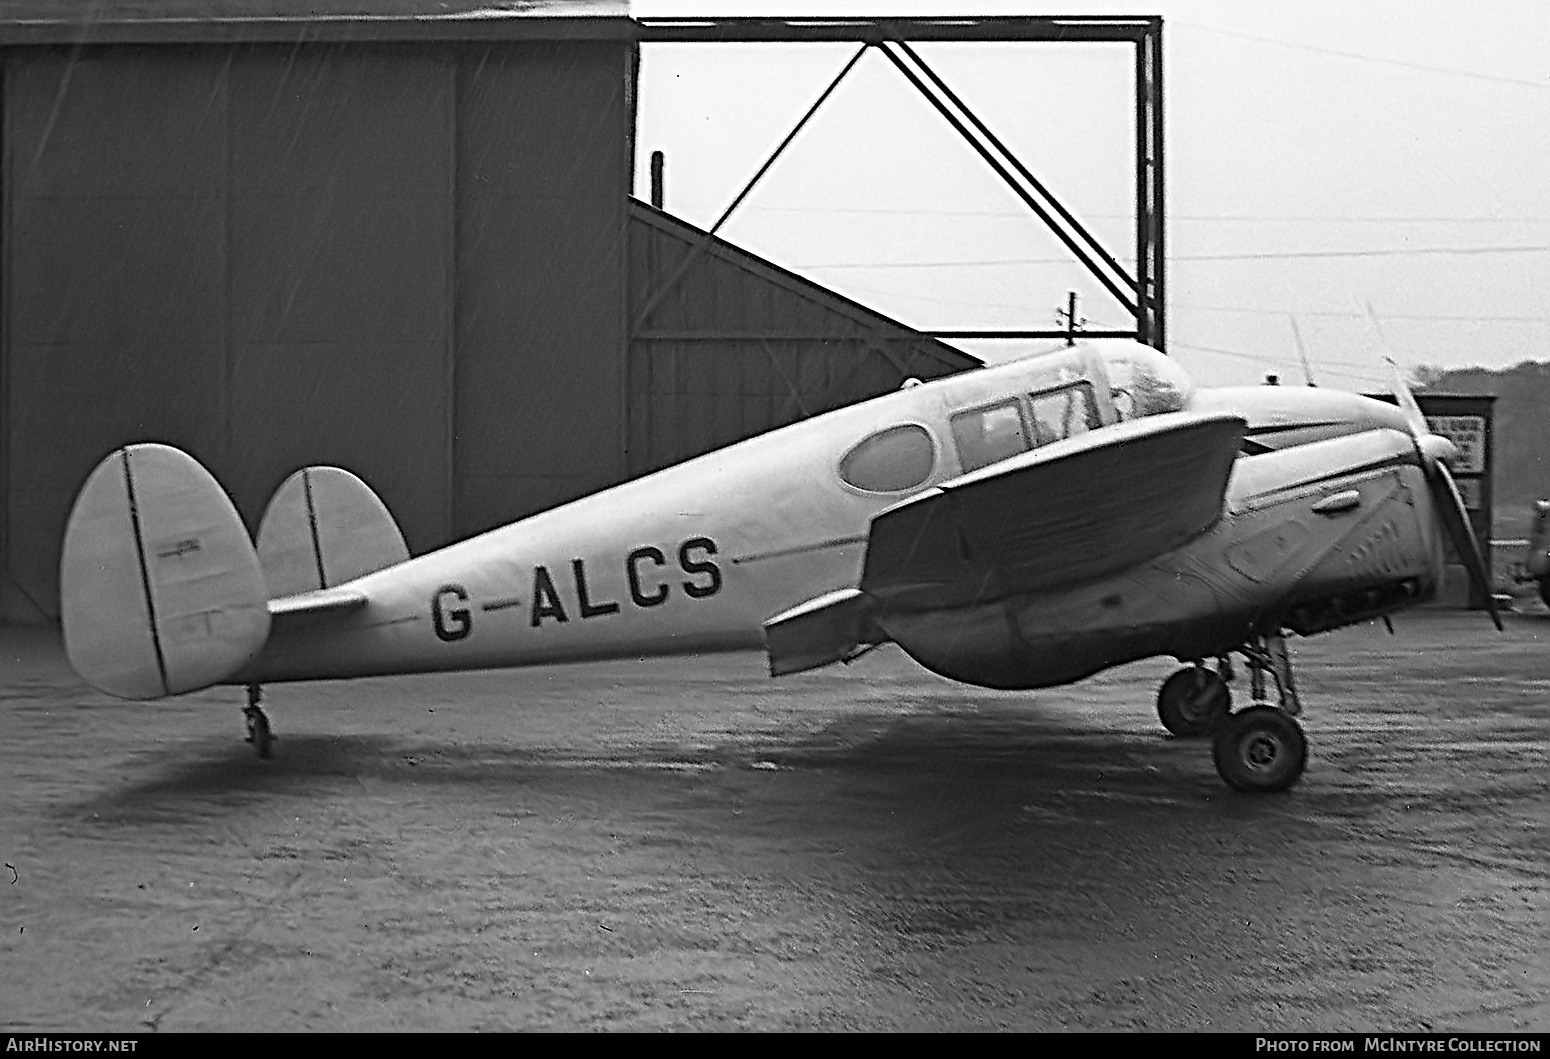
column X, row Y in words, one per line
column 1435, row 450
column 1407, row 404
column 1455, row 519
column 1302, row 353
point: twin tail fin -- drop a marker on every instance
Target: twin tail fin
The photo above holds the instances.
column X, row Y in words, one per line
column 322, row 528
column 159, row 586
column 163, row 592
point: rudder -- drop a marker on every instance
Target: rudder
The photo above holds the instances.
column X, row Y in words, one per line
column 159, row 584
column 323, row 527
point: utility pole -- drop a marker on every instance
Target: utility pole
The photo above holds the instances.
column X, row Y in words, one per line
column 658, row 179
column 1070, row 319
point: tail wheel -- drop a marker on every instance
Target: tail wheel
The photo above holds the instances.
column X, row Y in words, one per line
column 258, row 731
column 1260, row 749
column 263, row 739
column 1193, row 702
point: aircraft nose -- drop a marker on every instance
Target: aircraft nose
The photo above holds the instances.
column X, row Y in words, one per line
column 1439, row 448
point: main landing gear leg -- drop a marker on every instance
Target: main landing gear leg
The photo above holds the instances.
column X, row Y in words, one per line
column 258, row 723
column 1262, row 748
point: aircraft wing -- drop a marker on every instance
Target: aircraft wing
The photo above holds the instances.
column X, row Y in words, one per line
column 1067, row 512
column 1061, row 514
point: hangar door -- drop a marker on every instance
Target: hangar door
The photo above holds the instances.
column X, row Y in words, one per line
column 245, row 252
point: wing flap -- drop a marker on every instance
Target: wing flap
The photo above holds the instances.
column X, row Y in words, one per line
column 830, row 628
column 1062, row 514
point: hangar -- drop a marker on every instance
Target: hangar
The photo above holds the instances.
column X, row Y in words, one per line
column 273, row 236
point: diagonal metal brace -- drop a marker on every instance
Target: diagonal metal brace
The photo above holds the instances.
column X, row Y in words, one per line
column 705, row 240
column 1124, row 297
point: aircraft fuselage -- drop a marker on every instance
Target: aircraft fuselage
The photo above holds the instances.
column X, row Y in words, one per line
column 692, row 558
column 696, row 557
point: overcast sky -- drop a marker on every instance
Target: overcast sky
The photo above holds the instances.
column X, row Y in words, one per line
column 1321, row 157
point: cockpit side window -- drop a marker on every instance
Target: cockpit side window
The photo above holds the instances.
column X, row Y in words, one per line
column 891, row 460
column 1064, row 413
column 990, row 434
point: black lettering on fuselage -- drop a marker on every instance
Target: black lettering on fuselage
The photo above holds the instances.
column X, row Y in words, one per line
column 451, row 623
column 704, row 567
column 645, row 572
column 588, row 608
column 546, row 601
column 638, row 595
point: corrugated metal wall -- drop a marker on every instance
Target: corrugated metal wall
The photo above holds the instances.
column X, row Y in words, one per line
column 384, row 257
column 544, row 160
column 726, row 345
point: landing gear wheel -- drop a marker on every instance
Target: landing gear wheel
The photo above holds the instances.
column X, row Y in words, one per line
column 1260, row 749
column 1193, row 702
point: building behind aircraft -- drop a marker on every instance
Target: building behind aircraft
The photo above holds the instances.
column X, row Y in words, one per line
column 202, row 245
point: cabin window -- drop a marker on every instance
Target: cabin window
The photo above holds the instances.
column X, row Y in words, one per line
column 1064, row 413
column 990, row 434
column 891, row 460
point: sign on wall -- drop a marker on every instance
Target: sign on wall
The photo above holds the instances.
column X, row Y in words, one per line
column 1468, row 433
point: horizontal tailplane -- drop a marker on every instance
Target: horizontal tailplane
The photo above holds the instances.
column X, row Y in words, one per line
column 159, row 585
column 323, row 527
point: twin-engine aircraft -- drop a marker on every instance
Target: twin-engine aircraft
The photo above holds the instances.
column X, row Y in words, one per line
column 1020, row 526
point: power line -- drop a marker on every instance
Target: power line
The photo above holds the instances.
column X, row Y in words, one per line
column 1270, row 255
column 1374, row 376
column 1269, row 218
column 1272, row 358
column 1339, row 314
column 1224, row 352
column 1234, row 218
column 939, row 264
column 1348, row 314
column 1381, row 252
column 1378, row 59
column 931, row 298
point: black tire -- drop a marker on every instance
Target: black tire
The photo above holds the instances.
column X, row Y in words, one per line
column 1260, row 749
column 1544, row 590
column 1193, row 702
